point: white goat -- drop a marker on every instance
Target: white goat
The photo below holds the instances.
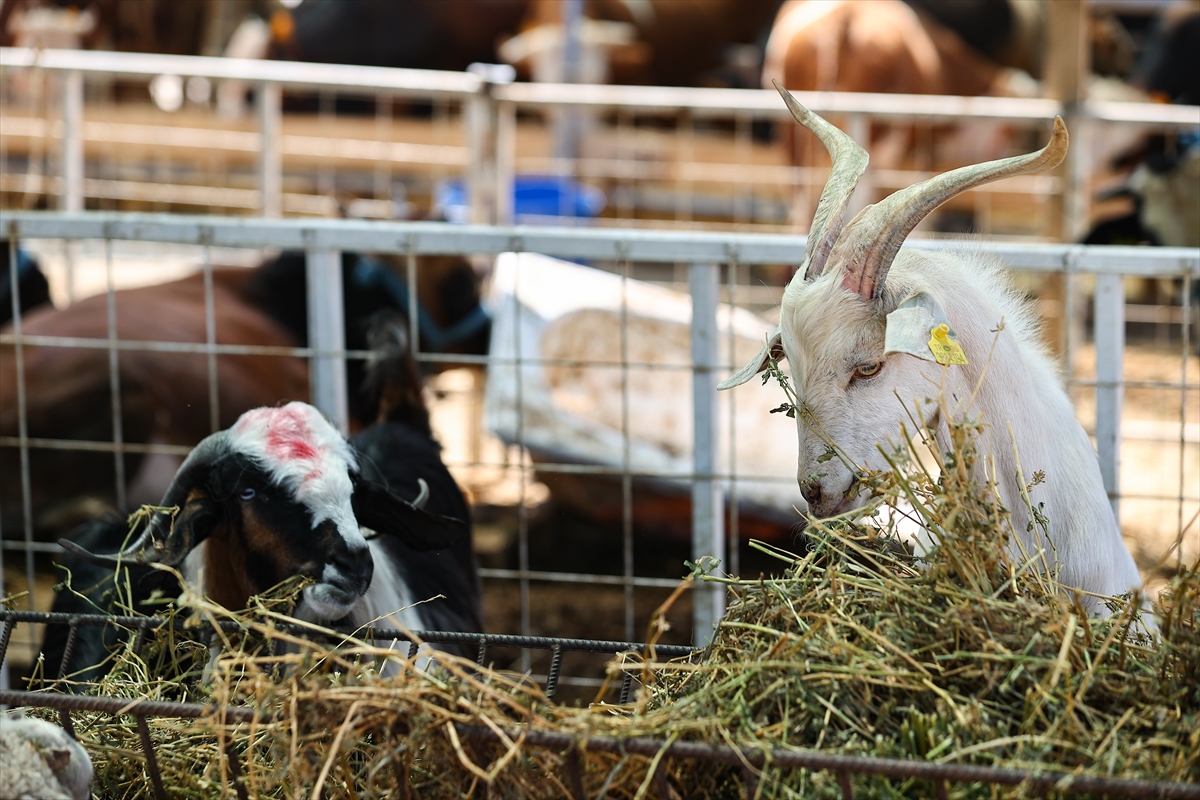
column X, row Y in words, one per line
column 39, row 761
column 859, row 326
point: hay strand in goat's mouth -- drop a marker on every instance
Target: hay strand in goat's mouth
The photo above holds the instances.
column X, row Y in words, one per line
column 964, row 656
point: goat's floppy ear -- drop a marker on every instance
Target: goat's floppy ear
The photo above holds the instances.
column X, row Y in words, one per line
column 377, row 507
column 772, row 349
column 920, row 328
column 192, row 525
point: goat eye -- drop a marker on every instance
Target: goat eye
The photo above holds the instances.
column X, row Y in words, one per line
column 868, row 370
column 247, row 494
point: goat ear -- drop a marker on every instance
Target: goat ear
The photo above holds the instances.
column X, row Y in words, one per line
column 916, row 328
column 772, row 349
column 192, row 525
column 377, row 507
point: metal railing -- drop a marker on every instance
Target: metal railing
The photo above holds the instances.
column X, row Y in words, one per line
column 751, row 762
column 269, row 77
column 704, row 252
column 491, row 103
column 139, row 629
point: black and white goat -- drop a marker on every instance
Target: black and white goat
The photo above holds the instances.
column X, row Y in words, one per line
column 282, row 493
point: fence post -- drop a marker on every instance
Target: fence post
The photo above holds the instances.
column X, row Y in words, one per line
column 270, row 156
column 1110, row 376
column 484, row 131
column 71, row 191
column 708, row 513
column 327, row 332
column 858, row 128
column 1067, row 58
column 568, row 120
column 71, row 163
column 505, row 163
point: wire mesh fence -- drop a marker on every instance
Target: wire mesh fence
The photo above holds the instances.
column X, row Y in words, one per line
column 583, row 525
column 588, row 434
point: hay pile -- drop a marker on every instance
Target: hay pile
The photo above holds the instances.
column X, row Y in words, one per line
column 857, row 648
column 964, row 658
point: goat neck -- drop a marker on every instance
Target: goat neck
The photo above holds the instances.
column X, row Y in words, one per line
column 1014, row 388
column 868, row 245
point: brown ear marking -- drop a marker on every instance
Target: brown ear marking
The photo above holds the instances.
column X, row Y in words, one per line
column 57, row 759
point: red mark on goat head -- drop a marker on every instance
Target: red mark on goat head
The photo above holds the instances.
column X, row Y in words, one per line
column 288, row 436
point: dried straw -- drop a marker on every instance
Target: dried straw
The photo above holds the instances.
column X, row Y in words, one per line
column 857, row 648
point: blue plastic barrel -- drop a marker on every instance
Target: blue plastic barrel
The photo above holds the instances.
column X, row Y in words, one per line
column 533, row 196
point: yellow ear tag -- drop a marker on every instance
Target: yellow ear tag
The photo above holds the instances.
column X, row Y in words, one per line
column 945, row 350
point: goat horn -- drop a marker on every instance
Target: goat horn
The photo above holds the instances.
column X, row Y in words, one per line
column 172, row 543
column 872, row 239
column 849, row 163
column 141, row 551
column 423, row 495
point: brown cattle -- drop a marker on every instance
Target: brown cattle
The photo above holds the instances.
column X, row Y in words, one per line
column 882, row 46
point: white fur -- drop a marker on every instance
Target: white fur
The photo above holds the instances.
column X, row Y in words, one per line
column 826, row 331
column 39, row 761
column 321, row 481
column 388, row 602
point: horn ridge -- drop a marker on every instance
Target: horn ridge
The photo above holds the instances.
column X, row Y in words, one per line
column 135, row 553
column 160, row 529
column 849, row 163
column 876, row 234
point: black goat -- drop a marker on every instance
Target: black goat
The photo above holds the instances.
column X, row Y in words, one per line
column 33, row 290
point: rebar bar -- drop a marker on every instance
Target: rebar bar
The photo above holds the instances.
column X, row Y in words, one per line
column 432, row 637
column 847, row 765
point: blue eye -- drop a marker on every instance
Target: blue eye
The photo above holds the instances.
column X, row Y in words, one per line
column 247, row 494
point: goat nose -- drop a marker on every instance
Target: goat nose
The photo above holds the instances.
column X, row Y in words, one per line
column 812, row 492
column 355, row 564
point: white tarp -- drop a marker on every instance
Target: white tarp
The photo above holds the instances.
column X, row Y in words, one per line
column 547, row 312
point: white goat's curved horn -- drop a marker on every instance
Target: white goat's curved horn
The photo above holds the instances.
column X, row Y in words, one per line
column 871, row 240
column 422, row 495
column 849, row 163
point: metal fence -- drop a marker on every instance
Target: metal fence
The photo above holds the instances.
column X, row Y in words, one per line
column 714, row 490
column 751, row 762
column 664, row 156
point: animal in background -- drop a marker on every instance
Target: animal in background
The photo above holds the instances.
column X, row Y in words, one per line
column 887, row 46
column 33, row 290
column 165, row 396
